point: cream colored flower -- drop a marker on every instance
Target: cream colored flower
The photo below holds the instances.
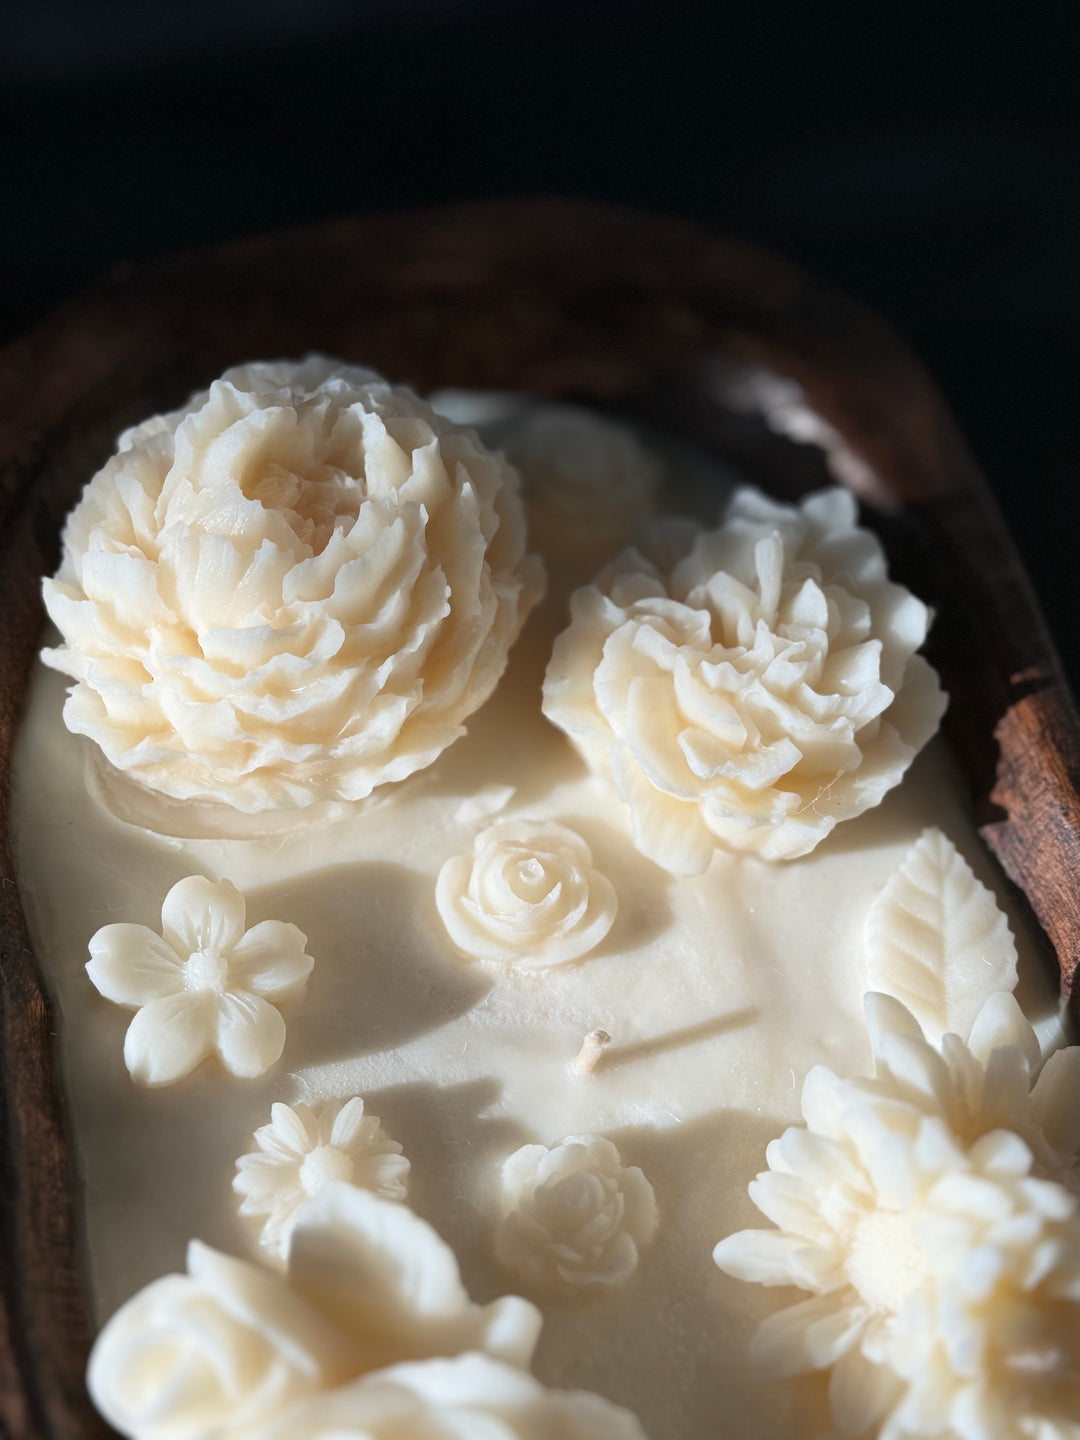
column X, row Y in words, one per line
column 589, row 483
column 527, row 895
column 931, row 1213
column 201, row 987
column 574, row 1216
column 470, row 1396
column 303, row 1149
column 230, row 1344
column 293, row 590
column 750, row 685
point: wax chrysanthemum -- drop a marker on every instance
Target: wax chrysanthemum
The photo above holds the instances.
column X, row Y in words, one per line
column 930, row 1213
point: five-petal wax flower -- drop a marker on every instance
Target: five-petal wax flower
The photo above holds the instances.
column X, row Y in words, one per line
column 203, row 986
column 303, row 1149
column 230, row 1344
column 291, row 591
column 931, row 1212
column 573, row 1216
column 750, row 685
column 528, row 895
column 459, row 1399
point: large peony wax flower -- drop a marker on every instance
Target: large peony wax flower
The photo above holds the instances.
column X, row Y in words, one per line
column 750, row 685
column 293, row 590
column 931, row 1213
column 203, row 986
column 471, row 1395
column 229, row 1345
column 573, row 1216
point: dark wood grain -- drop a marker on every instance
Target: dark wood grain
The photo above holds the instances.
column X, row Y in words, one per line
column 558, row 298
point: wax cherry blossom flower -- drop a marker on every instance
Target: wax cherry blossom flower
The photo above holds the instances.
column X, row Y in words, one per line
column 203, row 986
column 528, row 895
column 303, row 1149
column 932, row 1214
column 573, row 1216
column 231, row 1344
column 750, row 685
column 471, row 1395
column 291, row 591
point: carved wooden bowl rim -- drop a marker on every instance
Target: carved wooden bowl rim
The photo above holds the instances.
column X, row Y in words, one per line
column 561, row 298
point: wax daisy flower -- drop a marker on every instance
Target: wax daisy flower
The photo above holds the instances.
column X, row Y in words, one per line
column 204, row 986
column 749, row 686
column 301, row 1150
column 931, row 1213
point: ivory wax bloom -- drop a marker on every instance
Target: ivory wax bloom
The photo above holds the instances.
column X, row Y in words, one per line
column 293, row 590
column 749, row 685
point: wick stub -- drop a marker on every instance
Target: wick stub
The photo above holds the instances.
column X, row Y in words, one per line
column 592, row 1048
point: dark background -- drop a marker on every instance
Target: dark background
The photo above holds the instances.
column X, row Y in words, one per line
column 924, row 157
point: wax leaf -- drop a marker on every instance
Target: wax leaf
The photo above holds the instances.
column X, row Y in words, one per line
column 936, row 940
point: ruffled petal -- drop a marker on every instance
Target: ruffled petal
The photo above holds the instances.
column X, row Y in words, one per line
column 387, row 1277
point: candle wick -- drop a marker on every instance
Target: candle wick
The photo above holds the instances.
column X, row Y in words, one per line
column 592, row 1048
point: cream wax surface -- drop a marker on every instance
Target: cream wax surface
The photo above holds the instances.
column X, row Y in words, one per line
column 719, row 991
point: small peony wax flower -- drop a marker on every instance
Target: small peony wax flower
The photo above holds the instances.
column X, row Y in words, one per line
column 589, row 483
column 528, row 895
column 470, row 1395
column 291, row 591
column 201, row 987
column 301, row 1150
column 230, row 1344
column 931, row 1213
column 748, row 686
column 573, row 1216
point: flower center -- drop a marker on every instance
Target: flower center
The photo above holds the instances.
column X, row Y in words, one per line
column 322, row 1165
column 570, row 1201
column 529, row 881
column 206, row 970
column 310, row 503
column 887, row 1261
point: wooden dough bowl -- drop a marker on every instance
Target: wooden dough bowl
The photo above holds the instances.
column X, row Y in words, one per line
column 559, row 298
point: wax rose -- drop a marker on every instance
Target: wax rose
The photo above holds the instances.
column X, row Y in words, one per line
column 573, row 1216
column 528, row 896
column 748, row 686
column 450, row 1400
column 930, row 1213
column 230, row 1344
column 293, row 590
